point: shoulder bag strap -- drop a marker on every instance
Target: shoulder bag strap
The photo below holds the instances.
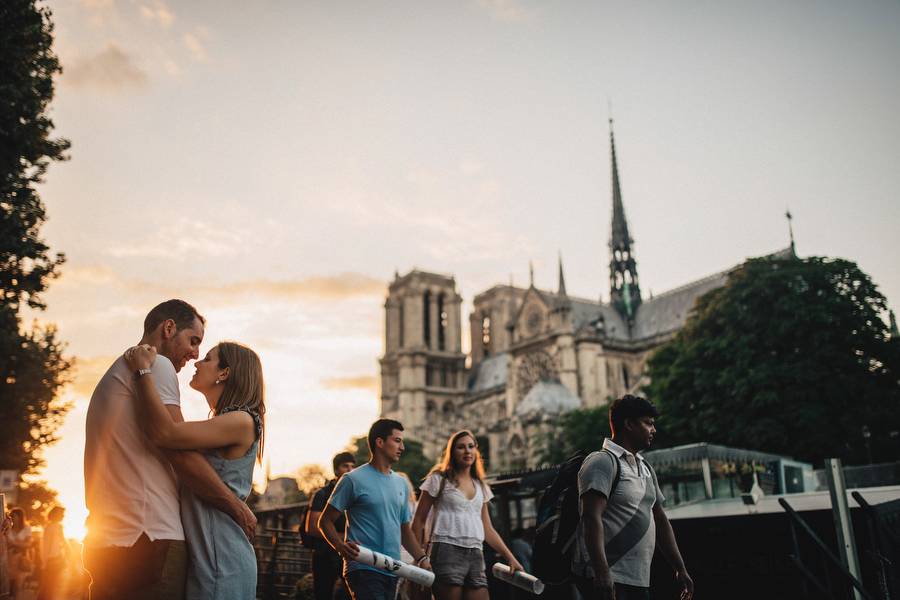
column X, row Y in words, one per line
column 434, row 511
column 617, row 469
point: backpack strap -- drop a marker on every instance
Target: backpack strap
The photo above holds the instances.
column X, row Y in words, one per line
column 617, row 472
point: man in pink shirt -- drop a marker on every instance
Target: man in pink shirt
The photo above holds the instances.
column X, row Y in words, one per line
column 135, row 543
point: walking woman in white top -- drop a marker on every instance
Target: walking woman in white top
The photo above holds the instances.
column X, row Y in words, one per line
column 456, row 495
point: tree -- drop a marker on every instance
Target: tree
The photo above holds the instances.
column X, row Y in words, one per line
column 26, row 89
column 310, row 478
column 32, row 366
column 35, row 499
column 580, row 429
column 413, row 462
column 791, row 357
column 33, row 370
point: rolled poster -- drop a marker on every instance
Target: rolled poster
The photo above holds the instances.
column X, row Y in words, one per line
column 394, row 566
column 520, row 579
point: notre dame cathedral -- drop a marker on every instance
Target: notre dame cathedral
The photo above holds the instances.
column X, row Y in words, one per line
column 535, row 353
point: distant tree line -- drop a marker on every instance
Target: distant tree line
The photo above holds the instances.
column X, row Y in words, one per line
column 794, row 357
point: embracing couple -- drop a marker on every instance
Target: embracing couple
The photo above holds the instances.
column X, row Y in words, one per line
column 167, row 517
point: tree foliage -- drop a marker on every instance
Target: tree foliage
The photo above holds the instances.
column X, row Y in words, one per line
column 26, row 149
column 581, row 429
column 310, row 478
column 791, row 357
column 35, row 499
column 34, row 370
column 413, row 462
column 32, row 365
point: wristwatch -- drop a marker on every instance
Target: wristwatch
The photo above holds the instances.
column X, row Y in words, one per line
column 142, row 372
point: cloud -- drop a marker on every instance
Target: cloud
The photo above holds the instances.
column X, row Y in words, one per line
column 88, row 371
column 195, row 43
column 478, row 200
column 508, row 11
column 470, row 167
column 99, row 13
column 340, row 286
column 97, row 4
column 330, row 287
column 87, row 275
column 157, row 12
column 361, row 382
column 183, row 240
column 110, row 69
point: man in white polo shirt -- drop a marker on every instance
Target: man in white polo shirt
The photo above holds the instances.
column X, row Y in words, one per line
column 135, row 543
column 622, row 517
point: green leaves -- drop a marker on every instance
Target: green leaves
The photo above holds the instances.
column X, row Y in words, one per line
column 32, row 367
column 26, row 149
column 581, row 429
column 791, row 356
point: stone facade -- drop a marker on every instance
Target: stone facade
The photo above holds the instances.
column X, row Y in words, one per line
column 535, row 354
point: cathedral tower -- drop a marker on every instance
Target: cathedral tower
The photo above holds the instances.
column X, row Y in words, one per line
column 624, row 289
column 423, row 367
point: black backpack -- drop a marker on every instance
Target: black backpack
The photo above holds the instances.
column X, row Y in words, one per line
column 557, row 521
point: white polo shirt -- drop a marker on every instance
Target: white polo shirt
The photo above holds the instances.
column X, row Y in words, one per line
column 130, row 487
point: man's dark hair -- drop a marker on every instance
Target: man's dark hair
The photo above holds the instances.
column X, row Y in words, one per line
column 341, row 458
column 629, row 407
column 178, row 310
column 382, row 428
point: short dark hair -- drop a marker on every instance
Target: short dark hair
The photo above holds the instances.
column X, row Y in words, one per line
column 178, row 310
column 56, row 513
column 341, row 458
column 382, row 428
column 629, row 407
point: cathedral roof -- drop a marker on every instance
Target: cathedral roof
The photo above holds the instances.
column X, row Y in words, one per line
column 659, row 315
column 668, row 312
column 547, row 398
column 488, row 374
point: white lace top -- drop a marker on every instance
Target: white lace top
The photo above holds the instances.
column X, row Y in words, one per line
column 458, row 518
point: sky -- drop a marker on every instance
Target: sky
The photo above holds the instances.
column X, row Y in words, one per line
column 275, row 162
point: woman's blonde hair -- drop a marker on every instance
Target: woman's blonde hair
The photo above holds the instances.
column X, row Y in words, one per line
column 244, row 388
column 447, row 467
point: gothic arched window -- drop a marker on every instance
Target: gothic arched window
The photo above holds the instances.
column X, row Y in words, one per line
column 442, row 323
column 486, row 335
column 426, row 317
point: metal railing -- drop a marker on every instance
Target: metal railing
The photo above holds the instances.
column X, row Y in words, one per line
column 879, row 552
column 282, row 561
column 831, row 560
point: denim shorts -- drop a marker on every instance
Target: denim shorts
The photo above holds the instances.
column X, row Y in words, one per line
column 368, row 584
column 455, row 565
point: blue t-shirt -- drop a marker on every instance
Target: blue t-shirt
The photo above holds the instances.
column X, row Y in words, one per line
column 376, row 506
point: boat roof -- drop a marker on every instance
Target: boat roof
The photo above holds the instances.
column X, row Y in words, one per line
column 801, row 502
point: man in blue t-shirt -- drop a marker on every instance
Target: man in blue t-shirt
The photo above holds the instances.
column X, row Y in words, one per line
column 376, row 503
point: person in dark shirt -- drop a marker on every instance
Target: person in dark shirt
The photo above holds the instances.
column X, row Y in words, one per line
column 326, row 562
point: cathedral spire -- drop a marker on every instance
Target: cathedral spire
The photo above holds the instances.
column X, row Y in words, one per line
column 562, row 279
column 790, row 219
column 624, row 289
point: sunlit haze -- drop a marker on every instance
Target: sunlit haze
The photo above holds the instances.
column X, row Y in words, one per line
column 273, row 163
